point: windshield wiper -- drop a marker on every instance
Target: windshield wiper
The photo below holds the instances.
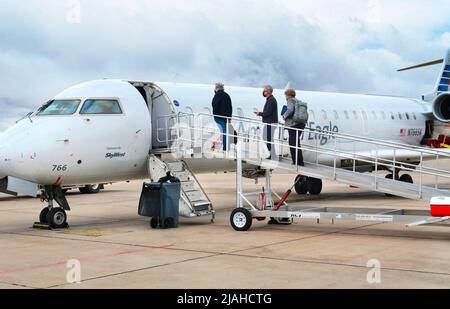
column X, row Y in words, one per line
column 26, row 116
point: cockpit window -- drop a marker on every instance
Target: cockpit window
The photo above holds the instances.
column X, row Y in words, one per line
column 59, row 107
column 101, row 107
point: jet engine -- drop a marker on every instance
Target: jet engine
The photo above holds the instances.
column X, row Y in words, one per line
column 441, row 107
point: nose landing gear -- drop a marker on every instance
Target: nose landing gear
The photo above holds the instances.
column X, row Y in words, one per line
column 53, row 217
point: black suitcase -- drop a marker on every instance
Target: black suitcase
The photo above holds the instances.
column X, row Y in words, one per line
column 161, row 202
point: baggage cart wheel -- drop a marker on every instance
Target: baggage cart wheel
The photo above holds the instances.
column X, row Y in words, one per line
column 241, row 220
column 168, row 223
column 154, row 223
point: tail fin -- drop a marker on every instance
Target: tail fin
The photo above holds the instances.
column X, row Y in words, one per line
column 443, row 82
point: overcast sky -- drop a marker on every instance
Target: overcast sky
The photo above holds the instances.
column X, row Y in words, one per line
column 324, row 45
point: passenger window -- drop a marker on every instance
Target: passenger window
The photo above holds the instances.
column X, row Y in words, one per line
column 336, row 115
column 364, row 114
column 312, row 114
column 324, row 115
column 347, row 116
column 59, row 107
column 392, row 116
column 383, row 115
column 355, row 114
column 101, row 107
column 414, row 116
column 374, row 115
column 407, row 116
column 400, row 116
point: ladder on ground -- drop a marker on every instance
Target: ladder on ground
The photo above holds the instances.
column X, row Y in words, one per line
column 192, row 135
column 194, row 202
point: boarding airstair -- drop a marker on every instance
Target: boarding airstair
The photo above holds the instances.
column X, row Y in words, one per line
column 193, row 202
column 364, row 164
column 192, row 136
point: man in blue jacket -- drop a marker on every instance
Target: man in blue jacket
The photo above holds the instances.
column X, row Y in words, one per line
column 222, row 108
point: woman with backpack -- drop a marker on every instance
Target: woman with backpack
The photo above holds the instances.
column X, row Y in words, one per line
column 296, row 117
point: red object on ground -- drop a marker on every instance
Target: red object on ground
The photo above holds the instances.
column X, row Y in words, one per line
column 443, row 139
column 446, row 140
column 436, row 144
column 440, row 206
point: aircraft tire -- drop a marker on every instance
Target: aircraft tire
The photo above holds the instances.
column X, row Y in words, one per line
column 43, row 215
column 314, row 186
column 389, row 176
column 90, row 189
column 57, row 218
column 241, row 220
column 301, row 187
column 406, row 178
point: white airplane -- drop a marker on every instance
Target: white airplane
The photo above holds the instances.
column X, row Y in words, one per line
column 102, row 131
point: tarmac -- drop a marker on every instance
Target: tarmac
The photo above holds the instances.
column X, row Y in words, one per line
column 116, row 248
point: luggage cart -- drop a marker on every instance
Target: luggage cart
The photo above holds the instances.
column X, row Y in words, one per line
column 242, row 217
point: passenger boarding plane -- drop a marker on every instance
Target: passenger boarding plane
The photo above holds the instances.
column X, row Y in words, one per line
column 102, row 131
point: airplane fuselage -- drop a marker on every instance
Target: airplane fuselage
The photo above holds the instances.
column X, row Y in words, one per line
column 93, row 148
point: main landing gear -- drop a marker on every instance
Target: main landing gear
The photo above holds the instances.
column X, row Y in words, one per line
column 53, row 217
column 404, row 178
column 307, row 185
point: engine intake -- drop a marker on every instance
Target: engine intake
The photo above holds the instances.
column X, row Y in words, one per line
column 441, row 107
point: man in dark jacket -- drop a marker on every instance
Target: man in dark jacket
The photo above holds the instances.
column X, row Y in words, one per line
column 222, row 108
column 270, row 118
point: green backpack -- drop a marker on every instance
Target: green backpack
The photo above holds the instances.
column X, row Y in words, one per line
column 301, row 112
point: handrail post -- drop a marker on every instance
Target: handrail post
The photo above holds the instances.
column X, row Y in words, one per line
column 317, row 152
column 436, row 181
column 239, row 183
column 395, row 164
column 335, row 159
column 296, row 149
column 420, row 175
column 376, row 168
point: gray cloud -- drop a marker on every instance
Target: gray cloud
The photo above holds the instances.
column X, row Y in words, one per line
column 247, row 43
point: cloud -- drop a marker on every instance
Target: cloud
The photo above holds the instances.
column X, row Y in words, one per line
column 342, row 45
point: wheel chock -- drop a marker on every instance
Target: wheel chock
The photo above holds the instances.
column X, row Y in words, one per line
column 45, row 226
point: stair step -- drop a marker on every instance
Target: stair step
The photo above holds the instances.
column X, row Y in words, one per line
column 188, row 186
column 176, row 166
column 182, row 176
column 202, row 205
column 196, row 195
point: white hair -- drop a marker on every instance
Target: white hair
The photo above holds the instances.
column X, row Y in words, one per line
column 220, row 86
column 269, row 88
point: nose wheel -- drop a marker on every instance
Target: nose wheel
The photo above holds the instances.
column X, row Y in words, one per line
column 53, row 217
